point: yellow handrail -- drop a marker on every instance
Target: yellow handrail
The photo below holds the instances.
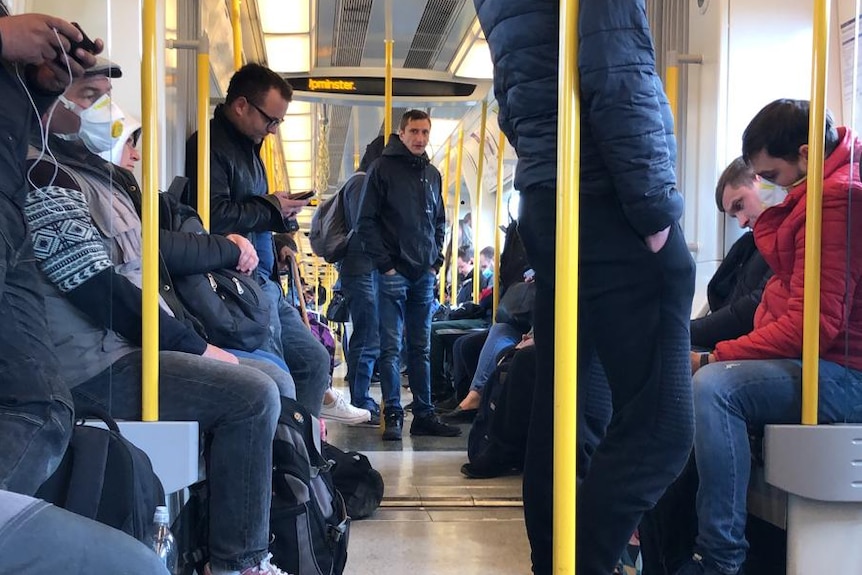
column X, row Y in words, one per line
column 203, row 174
column 150, row 216
column 813, row 209
column 671, row 85
column 444, row 192
column 477, row 209
column 236, row 25
column 387, row 92
column 566, row 301
column 498, row 207
column 456, row 228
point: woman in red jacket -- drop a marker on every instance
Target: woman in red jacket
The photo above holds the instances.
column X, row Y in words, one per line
column 757, row 379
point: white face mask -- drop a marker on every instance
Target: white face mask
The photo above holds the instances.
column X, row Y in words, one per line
column 101, row 123
column 770, row 194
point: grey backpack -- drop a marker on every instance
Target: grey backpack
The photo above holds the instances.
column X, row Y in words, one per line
column 330, row 229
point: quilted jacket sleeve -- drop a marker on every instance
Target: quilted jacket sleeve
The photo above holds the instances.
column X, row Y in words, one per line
column 627, row 111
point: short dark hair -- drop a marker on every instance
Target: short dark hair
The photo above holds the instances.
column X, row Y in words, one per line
column 412, row 115
column 488, row 252
column 780, row 128
column 253, row 81
column 465, row 253
column 738, row 173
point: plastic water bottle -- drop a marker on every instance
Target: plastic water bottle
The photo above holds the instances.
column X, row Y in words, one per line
column 163, row 541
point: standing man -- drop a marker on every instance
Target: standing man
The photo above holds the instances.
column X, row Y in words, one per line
column 35, row 405
column 401, row 226
column 636, row 275
column 256, row 102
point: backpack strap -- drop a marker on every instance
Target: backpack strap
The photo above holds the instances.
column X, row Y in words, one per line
column 90, row 451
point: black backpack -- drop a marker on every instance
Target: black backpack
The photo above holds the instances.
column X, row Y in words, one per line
column 309, row 526
column 492, row 395
column 105, row 478
column 308, row 521
column 513, row 258
column 360, row 485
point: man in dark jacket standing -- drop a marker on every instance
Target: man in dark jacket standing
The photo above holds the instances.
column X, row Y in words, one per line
column 359, row 281
column 636, row 277
column 402, row 225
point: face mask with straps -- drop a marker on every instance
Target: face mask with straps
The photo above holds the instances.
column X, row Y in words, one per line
column 101, row 123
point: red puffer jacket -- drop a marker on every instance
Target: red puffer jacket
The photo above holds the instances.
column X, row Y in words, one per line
column 780, row 236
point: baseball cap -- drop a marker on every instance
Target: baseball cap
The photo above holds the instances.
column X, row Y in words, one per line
column 104, row 67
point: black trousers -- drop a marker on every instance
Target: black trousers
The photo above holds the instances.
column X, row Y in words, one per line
column 634, row 318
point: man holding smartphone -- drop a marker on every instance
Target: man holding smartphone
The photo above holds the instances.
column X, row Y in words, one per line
column 240, row 203
column 35, row 405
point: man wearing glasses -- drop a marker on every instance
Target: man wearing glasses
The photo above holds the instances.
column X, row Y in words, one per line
column 240, row 203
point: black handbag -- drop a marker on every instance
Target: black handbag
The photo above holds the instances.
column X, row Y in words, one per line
column 516, row 305
column 338, row 310
column 231, row 306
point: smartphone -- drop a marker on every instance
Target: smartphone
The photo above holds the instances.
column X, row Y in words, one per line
column 302, row 195
column 86, row 44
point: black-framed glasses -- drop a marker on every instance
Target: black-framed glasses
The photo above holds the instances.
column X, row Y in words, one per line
column 271, row 123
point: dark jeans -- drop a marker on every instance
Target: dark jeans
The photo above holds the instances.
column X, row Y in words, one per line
column 237, row 406
column 634, row 316
column 35, row 405
column 405, row 307
column 444, row 334
column 364, row 348
column 465, row 360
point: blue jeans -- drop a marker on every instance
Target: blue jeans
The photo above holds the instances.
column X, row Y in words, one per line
column 35, row 405
column 238, row 406
column 304, row 355
column 500, row 337
column 77, row 544
column 405, row 306
column 730, row 398
column 364, row 348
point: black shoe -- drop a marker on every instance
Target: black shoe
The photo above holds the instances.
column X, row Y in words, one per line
column 478, row 470
column 409, row 407
column 393, row 423
column 459, row 415
column 447, row 404
column 697, row 565
column 375, row 377
column 431, row 425
column 373, row 422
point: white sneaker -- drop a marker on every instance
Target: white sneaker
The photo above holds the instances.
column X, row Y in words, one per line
column 341, row 411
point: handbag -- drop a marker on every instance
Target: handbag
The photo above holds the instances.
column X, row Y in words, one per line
column 516, row 305
column 231, row 306
column 338, row 310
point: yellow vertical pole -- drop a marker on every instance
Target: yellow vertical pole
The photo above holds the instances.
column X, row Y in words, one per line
column 671, row 83
column 813, row 214
column 444, row 192
column 456, row 229
column 315, row 280
column 477, row 207
column 498, row 216
column 566, row 302
column 203, row 174
column 150, row 216
column 387, row 94
column 236, row 25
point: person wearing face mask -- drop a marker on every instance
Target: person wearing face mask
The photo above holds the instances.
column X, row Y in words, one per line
column 86, row 216
column 765, row 383
column 667, row 532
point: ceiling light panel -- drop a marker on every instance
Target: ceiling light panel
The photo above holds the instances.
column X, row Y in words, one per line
column 285, row 16
column 288, row 53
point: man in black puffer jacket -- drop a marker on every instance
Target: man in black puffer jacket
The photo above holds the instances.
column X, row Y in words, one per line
column 636, row 276
column 401, row 225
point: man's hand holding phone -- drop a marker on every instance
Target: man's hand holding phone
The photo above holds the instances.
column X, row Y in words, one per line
column 291, row 204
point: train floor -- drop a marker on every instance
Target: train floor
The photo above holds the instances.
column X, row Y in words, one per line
column 433, row 520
